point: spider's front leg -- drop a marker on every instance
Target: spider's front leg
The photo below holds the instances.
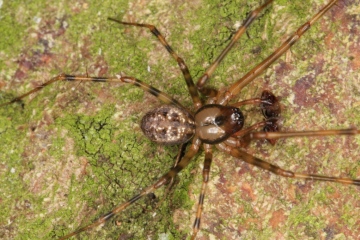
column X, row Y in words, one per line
column 279, row 171
column 236, row 87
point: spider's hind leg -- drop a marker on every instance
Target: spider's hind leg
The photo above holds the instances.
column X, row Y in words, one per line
column 164, row 180
column 165, row 98
column 60, row 77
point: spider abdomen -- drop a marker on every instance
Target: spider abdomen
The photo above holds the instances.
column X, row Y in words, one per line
column 169, row 125
column 215, row 123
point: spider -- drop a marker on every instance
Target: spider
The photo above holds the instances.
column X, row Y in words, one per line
column 268, row 104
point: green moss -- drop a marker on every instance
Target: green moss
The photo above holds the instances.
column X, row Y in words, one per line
column 7, row 26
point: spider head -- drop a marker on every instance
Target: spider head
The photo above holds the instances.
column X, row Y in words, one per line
column 215, row 123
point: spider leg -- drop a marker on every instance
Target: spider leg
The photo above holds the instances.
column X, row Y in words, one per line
column 236, row 87
column 121, row 79
column 179, row 156
column 247, row 130
column 206, row 172
column 210, row 70
column 318, row 133
column 251, row 101
column 165, row 179
column 183, row 67
column 246, row 136
column 181, row 153
column 268, row 102
column 38, row 88
column 279, row 171
column 172, row 182
column 241, row 139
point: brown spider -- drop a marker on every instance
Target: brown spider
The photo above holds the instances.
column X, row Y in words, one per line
column 214, row 123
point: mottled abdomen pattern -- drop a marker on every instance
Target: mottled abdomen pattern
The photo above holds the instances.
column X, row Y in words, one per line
column 169, row 125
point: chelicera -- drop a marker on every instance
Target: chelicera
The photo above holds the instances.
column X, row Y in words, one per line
column 216, row 122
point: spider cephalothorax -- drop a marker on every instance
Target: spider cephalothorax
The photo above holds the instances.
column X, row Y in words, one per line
column 215, row 123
